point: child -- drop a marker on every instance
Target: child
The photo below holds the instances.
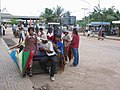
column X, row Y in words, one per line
column 60, row 46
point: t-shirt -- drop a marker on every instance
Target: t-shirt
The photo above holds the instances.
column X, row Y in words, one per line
column 49, row 46
column 66, row 43
column 49, row 36
column 60, row 46
column 75, row 41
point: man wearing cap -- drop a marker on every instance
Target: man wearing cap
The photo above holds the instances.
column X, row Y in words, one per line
column 48, row 48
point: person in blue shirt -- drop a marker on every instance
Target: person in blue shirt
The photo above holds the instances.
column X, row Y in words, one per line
column 60, row 47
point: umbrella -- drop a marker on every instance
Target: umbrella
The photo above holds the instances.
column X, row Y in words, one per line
column 21, row 59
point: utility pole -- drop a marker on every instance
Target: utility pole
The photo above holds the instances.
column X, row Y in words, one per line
column 0, row 21
column 88, row 9
column 84, row 13
column 0, row 12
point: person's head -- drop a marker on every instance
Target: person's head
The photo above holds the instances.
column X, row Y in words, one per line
column 44, row 39
column 58, row 38
column 75, row 31
column 49, row 30
column 41, row 29
column 31, row 30
column 66, row 32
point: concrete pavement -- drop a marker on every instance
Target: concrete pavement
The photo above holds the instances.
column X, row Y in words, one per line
column 10, row 78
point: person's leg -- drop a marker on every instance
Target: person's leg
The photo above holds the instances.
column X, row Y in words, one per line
column 3, row 32
column 75, row 53
column 21, row 48
column 53, row 65
column 66, row 54
column 20, row 38
column 31, row 62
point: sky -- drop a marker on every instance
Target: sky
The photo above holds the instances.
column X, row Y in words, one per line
column 35, row 7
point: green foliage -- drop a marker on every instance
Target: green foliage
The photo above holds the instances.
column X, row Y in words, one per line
column 47, row 15
column 52, row 15
column 58, row 12
column 81, row 23
column 104, row 14
column 13, row 21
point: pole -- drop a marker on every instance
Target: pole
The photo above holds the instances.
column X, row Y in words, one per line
column 84, row 14
column 99, row 3
column 0, row 12
column 0, row 21
column 88, row 9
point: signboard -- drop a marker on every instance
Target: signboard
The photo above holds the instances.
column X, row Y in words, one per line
column 73, row 20
column 69, row 20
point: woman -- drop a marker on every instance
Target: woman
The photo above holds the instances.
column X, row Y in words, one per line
column 30, row 43
column 75, row 45
column 66, row 43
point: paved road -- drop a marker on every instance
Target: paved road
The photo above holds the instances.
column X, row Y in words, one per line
column 99, row 68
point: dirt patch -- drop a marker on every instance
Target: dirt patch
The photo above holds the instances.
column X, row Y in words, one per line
column 9, row 42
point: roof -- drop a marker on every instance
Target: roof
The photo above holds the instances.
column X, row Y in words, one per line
column 53, row 23
column 9, row 16
column 98, row 23
column 116, row 22
column 6, row 15
column 27, row 17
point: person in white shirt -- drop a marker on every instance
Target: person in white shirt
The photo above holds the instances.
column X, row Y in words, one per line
column 48, row 48
column 89, row 32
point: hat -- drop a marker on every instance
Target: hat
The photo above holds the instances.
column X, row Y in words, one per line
column 66, row 31
column 44, row 37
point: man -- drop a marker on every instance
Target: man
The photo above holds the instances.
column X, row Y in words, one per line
column 51, row 55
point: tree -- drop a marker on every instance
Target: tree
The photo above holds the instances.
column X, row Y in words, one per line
column 105, row 15
column 58, row 12
column 47, row 15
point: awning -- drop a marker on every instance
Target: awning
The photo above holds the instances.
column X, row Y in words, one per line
column 116, row 22
column 98, row 23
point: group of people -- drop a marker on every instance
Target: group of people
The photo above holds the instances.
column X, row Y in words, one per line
column 49, row 43
column 101, row 34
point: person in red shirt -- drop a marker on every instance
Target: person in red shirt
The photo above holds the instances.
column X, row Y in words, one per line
column 75, row 45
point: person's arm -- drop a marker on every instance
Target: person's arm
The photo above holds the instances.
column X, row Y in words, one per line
column 46, row 50
column 68, row 39
column 73, row 40
column 36, row 44
column 16, row 46
column 50, row 48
